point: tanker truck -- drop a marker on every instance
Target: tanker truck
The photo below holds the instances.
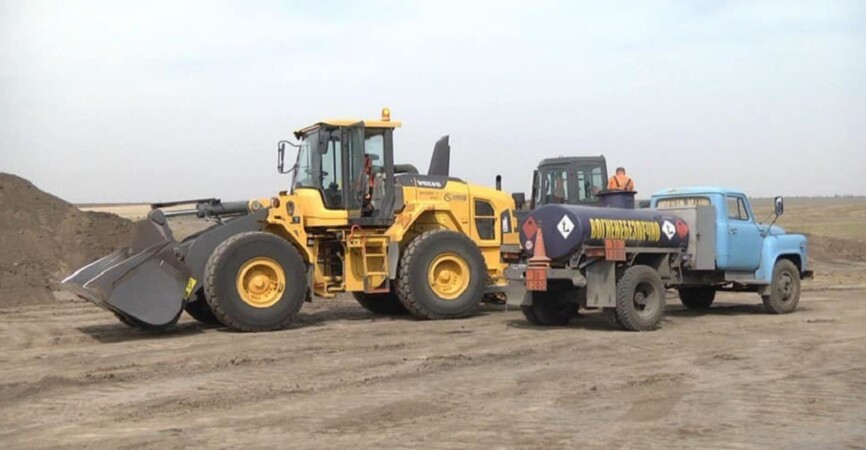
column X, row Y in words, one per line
column 698, row 240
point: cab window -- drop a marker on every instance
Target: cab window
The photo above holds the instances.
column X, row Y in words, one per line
column 589, row 183
column 485, row 219
column 554, row 186
column 736, row 208
column 331, row 175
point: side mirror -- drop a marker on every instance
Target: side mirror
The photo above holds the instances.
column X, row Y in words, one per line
column 281, row 156
column 519, row 199
column 779, row 204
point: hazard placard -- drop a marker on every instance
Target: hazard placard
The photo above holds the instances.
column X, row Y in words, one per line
column 536, row 279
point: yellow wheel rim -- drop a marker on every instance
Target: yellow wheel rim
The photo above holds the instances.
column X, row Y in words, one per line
column 448, row 276
column 261, row 282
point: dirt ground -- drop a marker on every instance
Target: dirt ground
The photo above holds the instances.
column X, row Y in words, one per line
column 72, row 376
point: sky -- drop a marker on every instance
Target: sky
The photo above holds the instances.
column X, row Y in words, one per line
column 107, row 101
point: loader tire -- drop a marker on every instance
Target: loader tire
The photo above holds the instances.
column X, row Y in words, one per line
column 549, row 308
column 385, row 304
column 640, row 299
column 198, row 309
column 255, row 281
column 784, row 289
column 442, row 275
column 697, row 297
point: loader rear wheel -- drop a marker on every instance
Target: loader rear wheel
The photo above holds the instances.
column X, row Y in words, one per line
column 640, row 299
column 385, row 304
column 198, row 309
column 255, row 281
column 784, row 289
column 549, row 308
column 697, row 297
column 442, row 275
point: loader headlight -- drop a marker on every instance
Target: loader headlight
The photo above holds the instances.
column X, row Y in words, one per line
column 290, row 208
column 275, row 202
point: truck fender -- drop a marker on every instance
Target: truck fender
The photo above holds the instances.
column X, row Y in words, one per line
column 781, row 247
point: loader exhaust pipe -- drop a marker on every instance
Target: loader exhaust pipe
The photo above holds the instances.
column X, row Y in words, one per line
column 498, row 182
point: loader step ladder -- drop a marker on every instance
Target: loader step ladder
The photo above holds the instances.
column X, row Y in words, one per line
column 374, row 260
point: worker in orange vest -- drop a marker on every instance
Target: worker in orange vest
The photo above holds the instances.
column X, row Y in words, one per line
column 620, row 181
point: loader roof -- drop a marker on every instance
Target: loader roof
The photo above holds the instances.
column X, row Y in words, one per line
column 348, row 122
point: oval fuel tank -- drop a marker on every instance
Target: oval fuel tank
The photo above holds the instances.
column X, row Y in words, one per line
column 567, row 227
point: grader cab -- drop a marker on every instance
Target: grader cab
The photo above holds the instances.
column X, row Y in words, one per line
column 432, row 245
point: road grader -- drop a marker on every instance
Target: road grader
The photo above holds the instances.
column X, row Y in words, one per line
column 352, row 221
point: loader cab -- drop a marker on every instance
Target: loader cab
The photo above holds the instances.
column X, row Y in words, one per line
column 351, row 165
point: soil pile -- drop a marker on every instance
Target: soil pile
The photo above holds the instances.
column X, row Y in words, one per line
column 830, row 249
column 43, row 239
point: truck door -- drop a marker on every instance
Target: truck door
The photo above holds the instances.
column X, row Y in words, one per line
column 744, row 238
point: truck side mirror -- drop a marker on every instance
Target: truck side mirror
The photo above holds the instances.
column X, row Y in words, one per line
column 779, row 203
column 519, row 199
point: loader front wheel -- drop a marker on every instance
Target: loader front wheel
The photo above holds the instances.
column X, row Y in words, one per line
column 255, row 281
column 442, row 275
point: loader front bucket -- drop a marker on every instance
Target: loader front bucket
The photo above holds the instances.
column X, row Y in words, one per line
column 145, row 283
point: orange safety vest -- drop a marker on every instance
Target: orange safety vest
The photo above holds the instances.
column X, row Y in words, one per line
column 620, row 183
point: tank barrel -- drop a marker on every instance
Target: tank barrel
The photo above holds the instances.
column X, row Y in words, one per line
column 568, row 227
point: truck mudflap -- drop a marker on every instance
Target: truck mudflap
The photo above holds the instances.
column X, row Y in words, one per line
column 145, row 283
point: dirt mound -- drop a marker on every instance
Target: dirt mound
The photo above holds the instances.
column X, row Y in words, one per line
column 831, row 249
column 43, row 239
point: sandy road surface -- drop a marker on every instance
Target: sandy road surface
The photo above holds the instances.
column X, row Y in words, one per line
column 732, row 378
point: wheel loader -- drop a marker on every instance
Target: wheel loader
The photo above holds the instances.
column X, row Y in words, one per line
column 352, row 221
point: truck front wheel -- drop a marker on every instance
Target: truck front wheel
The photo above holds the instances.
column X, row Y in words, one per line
column 784, row 289
column 697, row 297
column 640, row 299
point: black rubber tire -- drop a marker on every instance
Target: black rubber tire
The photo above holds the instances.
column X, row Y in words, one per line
column 640, row 279
column 697, row 297
column 415, row 292
column 385, row 304
column 549, row 308
column 784, row 289
column 198, row 309
column 221, row 291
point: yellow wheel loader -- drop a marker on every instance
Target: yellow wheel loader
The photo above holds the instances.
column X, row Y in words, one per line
column 353, row 221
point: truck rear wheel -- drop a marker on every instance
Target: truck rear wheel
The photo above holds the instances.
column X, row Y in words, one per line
column 784, row 289
column 385, row 304
column 254, row 281
column 442, row 275
column 549, row 309
column 697, row 297
column 640, row 299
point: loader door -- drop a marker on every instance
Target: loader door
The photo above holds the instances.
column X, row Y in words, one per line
column 370, row 175
column 356, row 170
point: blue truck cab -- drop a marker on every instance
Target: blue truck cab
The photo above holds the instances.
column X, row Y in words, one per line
column 734, row 250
